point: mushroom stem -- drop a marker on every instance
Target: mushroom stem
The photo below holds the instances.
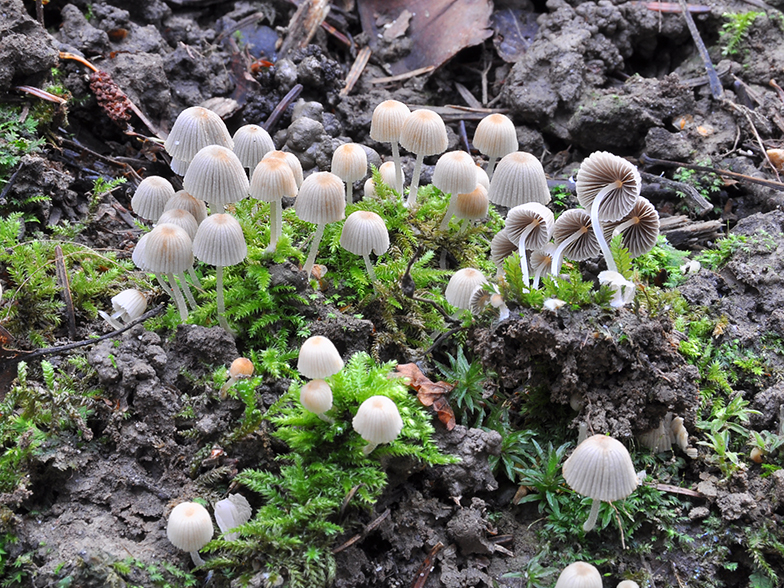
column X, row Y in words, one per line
column 522, row 252
column 276, row 222
column 112, row 320
column 187, row 289
column 625, row 225
column 367, row 449
column 194, row 278
column 555, row 267
column 181, row 306
column 398, row 167
column 412, row 190
column 591, row 522
column 349, row 192
column 491, row 167
column 314, row 248
column 597, row 228
column 369, row 267
column 221, row 303
column 450, row 211
column 166, row 288
column 197, row 560
column 537, row 276
column 325, row 418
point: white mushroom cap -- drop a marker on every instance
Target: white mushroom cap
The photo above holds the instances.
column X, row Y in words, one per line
column 151, row 196
column 231, row 512
column 424, row 133
column 482, row 178
column 602, row 169
column 168, row 250
column 363, row 232
column 182, row 218
column 628, row 584
column 217, row 176
column 321, row 199
column 131, row 303
column 519, row 218
column 518, row 179
column 455, row 173
column 387, row 122
column 251, row 143
column 387, row 171
column 378, row 420
column 318, row 358
column 138, row 253
column 316, row 396
column 349, row 162
column 178, row 166
column 220, row 241
column 291, row 159
column 501, row 247
column 462, row 285
column 495, row 135
column 623, row 289
column 187, row 202
column 369, row 188
column 272, row 180
column 194, row 129
column 189, row 527
column 579, row 575
column 473, row 205
column 601, row 468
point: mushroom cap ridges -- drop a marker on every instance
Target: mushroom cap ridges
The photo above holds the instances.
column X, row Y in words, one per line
column 131, row 303
column 601, row 169
column 251, row 143
column 349, row 162
column 316, row 396
column 579, row 575
column 640, row 235
column 472, row 205
column 455, row 173
column 194, row 129
column 495, row 135
column 378, row 420
column 220, row 241
column 570, row 222
column 318, row 358
column 272, row 180
column 462, row 285
column 168, row 250
column 501, row 247
column 292, row 160
column 601, row 468
column 518, row 179
column 189, row 526
column 519, row 218
column 182, row 218
column 387, row 122
column 187, row 202
column 364, row 231
column 424, row 133
column 321, row 199
column 149, row 199
column 542, row 258
column 217, row 176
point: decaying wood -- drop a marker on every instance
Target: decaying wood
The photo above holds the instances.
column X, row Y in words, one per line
column 696, row 201
column 684, row 233
column 304, row 24
column 356, row 70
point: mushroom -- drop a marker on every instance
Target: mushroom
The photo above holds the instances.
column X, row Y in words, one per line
column 461, row 287
column 455, row 173
column 600, row 468
column 291, row 159
column 220, row 242
column 216, row 176
column 424, row 133
column 318, row 358
column 349, row 163
column 240, row 368
column 529, row 226
column 168, row 251
column 473, row 205
column 386, row 127
column 230, row 513
column 363, row 232
column 579, row 575
column 640, row 228
column 482, row 297
column 190, row 528
column 320, row 201
column 542, row 262
column 608, row 187
column 316, row 397
column 628, row 584
column 495, row 136
column 194, row 129
column 573, row 236
column 187, row 202
column 501, row 247
column 127, row 306
column 377, row 421
column 186, row 221
column 272, row 180
column 149, row 199
column 623, row 290
column 519, row 179
column 251, row 143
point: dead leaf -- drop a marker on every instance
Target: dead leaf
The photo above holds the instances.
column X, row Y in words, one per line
column 515, row 29
column 398, row 27
column 430, row 393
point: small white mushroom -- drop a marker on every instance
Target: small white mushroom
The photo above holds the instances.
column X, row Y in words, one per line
column 190, row 528
column 230, row 513
column 316, row 397
column 319, row 358
column 377, row 421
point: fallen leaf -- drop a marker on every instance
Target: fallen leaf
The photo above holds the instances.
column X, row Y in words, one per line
column 430, row 393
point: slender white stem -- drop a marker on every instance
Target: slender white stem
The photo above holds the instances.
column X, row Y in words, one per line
column 196, row 558
column 349, row 192
column 187, row 289
column 591, row 522
column 278, row 209
column 540, row 271
column 221, row 303
column 369, row 267
column 412, row 190
column 369, row 447
column 491, row 167
column 194, row 278
column 181, row 306
column 450, row 211
column 597, row 227
column 555, row 265
column 522, row 252
column 625, row 225
column 398, row 168
column 273, row 227
column 325, row 418
column 314, row 248
column 215, row 208
column 164, row 285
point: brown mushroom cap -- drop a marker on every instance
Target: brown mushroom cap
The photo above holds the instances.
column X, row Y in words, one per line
column 600, row 170
column 149, row 199
column 378, row 420
column 194, row 129
column 241, row 367
column 601, row 468
column 220, row 241
column 319, row 358
column 272, row 180
column 455, row 173
column 387, row 122
column 519, row 179
column 495, row 135
column 579, row 575
column 639, row 228
column 189, row 526
column 364, row 231
column 462, row 285
column 187, row 202
column 216, row 175
column 349, row 162
column 424, row 133
column 321, row 199
column 534, row 215
column 251, row 143
column 473, row 205
column 573, row 221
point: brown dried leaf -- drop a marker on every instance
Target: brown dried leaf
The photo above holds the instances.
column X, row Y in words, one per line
column 430, row 393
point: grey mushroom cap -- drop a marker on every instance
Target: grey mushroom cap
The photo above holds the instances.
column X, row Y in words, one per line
column 388, row 120
column 220, row 241
column 251, row 143
column 573, row 221
column 461, row 287
column 518, row 179
column 601, row 468
column 194, row 129
column 541, row 259
column 639, row 228
column 168, row 250
column 602, row 169
column 455, row 173
column 230, row 513
column 364, row 231
column 321, row 199
column 501, row 247
column 424, row 133
column 216, row 176
column 519, row 218
column 495, row 135
column 149, row 199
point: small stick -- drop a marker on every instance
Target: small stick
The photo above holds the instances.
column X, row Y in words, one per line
column 62, row 277
column 713, row 79
column 356, row 70
column 272, row 120
column 42, row 94
column 427, row 566
column 11, row 181
column 404, row 76
column 722, row 172
column 464, row 137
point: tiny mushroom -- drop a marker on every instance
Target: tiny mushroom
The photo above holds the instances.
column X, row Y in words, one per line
column 365, row 231
column 623, row 290
column 542, row 262
column 318, row 358
column 462, row 285
column 628, row 584
column 574, row 239
column 190, row 528
column 168, row 250
column 473, row 205
column 216, row 176
column 230, row 513
column 579, row 575
column 424, row 133
column 273, row 180
column 149, row 199
column 495, row 136
column 519, row 179
column 127, row 306
column 320, row 201
column 529, row 225
column 377, row 421
column 386, row 127
column 194, row 129
column 349, row 163
column 639, row 228
column 251, row 143
column 455, row 173
column 316, row 397
column 240, row 368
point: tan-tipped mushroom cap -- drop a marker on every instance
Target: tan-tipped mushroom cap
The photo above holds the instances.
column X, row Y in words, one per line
column 241, row 367
column 628, row 584
column 189, row 527
column 541, row 259
column 349, row 162
column 378, row 420
column 251, row 143
column 194, row 129
column 363, row 232
column 519, row 179
column 137, row 255
column 316, row 396
column 495, row 135
column 131, row 303
column 601, row 169
column 182, row 218
column 149, row 199
column 424, row 133
column 473, row 205
column 292, row 160
column 220, row 241
column 387, row 171
column 501, row 247
column 576, row 220
column 639, row 228
column 216, row 176
column 387, row 122
column 579, row 575
column 462, row 285
column 272, row 180
column 601, row 468
column 534, row 215
column 187, row 202
column 321, row 199
column 168, row 250
column 455, row 173
column 318, row 358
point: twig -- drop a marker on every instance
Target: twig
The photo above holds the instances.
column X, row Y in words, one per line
column 62, row 277
column 11, row 182
column 699, row 203
column 427, row 566
column 713, row 79
column 745, row 111
column 42, row 94
column 645, row 159
column 466, row 95
column 365, row 532
column 404, row 76
column 464, row 136
column 303, row 24
column 620, row 526
column 356, row 70
column 272, row 120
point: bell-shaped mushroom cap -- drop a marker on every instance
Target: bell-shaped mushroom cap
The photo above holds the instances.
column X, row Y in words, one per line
column 321, row 199
column 482, row 178
column 272, row 180
column 378, row 420
column 189, row 527
column 387, row 122
column 455, row 173
column 473, row 205
column 639, row 228
column 628, row 584
column 168, row 250
column 182, row 218
column 363, row 232
column 251, row 143
column 151, row 196
column 316, row 396
column 318, row 358
column 572, row 221
column 661, row 438
column 424, row 133
column 131, row 303
column 138, row 253
column 541, row 259
column 601, row 468
column 241, row 367
column 501, row 247
column 230, row 513
column 187, row 202
column 519, row 218
column 220, row 241
column 387, row 171
column 519, row 179
column 194, row 129
column 178, row 166
column 579, row 575
column 217, row 176
column 292, row 160
column 462, row 285
column 495, row 135
column 349, row 162
column 600, row 170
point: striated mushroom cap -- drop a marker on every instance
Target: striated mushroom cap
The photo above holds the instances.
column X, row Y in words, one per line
column 149, row 199
column 220, row 241
column 194, row 129
column 424, row 133
column 378, row 420
column 473, row 205
column 541, row 259
column 388, row 120
column 189, row 527
column 318, row 358
column 501, row 247
column 601, row 468
column 292, row 160
column 349, row 162
column 321, row 199
column 230, row 513
column 600, row 170
column 579, row 575
column 455, row 173
column 316, row 396
column 518, row 179
column 363, row 232
column 216, row 176
column 131, row 303
column 576, row 220
column 251, row 143
column 272, row 180
column 519, row 218
column 462, row 285
column 168, row 250
column 182, row 218
column 495, row 135
column 187, row 202
column 640, row 228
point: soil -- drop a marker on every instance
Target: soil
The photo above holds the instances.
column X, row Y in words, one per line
column 605, row 75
